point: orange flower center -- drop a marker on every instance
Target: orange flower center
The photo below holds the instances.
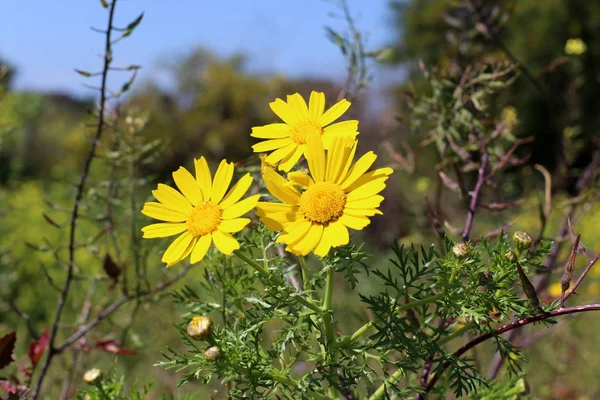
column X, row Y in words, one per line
column 204, row 219
column 323, row 203
column 301, row 130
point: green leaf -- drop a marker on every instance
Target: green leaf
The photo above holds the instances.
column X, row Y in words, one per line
column 129, row 30
column 83, row 73
column 104, row 3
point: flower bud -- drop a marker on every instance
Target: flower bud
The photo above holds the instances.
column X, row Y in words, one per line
column 460, row 250
column 522, row 386
column 212, row 353
column 511, row 256
column 92, row 376
column 200, row 328
column 485, row 277
column 522, row 240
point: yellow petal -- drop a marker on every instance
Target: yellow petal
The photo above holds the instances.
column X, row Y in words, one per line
column 233, row 225
column 367, row 190
column 288, row 162
column 269, row 145
column 177, row 249
column 310, row 241
column 316, row 106
column 343, row 128
column 334, row 112
column 188, row 186
column 354, row 222
column 203, row 176
column 200, row 249
column 271, row 131
column 224, row 242
column 237, row 191
column 360, row 212
column 337, row 156
column 295, row 232
column 315, row 155
column 300, row 179
column 281, row 153
column 162, row 230
column 221, row 181
column 338, row 233
column 378, row 174
column 172, row 198
column 163, row 213
column 279, row 188
column 263, row 208
column 284, row 111
column 358, row 169
column 279, row 221
column 369, row 202
column 186, row 253
column 241, row 208
column 347, row 163
column 298, row 105
column 323, row 246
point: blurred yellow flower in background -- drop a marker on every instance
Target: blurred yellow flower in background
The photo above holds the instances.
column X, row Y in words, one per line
column 575, row 47
column 337, row 195
column 201, row 210
column 287, row 140
column 510, row 116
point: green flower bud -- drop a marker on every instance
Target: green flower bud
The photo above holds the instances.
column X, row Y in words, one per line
column 460, row 250
column 92, row 376
column 522, row 240
column 512, row 256
column 200, row 328
column 212, row 353
column 522, row 386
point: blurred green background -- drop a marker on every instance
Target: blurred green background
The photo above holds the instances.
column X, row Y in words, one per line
column 204, row 96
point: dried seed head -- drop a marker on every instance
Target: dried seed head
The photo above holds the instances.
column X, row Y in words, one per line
column 460, row 250
column 92, row 376
column 200, row 328
column 522, row 240
column 212, row 353
column 512, row 256
column 485, row 277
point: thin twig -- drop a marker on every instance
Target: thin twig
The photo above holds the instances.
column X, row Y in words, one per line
column 582, row 276
column 75, row 214
column 485, row 157
column 509, row 327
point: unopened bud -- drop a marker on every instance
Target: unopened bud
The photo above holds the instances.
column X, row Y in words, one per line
column 485, row 277
column 200, row 328
column 212, row 353
column 512, row 256
column 522, row 386
column 92, row 376
column 522, row 240
column 460, row 250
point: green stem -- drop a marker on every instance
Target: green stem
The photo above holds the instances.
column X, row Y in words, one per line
column 262, row 270
column 327, row 318
column 304, row 272
column 380, row 392
column 457, row 333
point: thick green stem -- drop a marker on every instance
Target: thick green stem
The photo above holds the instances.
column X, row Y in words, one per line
column 380, row 392
column 457, row 333
column 327, row 312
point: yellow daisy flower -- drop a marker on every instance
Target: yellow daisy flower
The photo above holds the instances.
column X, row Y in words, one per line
column 288, row 139
column 316, row 210
column 201, row 210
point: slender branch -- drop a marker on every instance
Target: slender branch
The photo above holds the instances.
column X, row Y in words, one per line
column 380, row 392
column 509, row 327
column 582, row 276
column 75, row 214
column 485, row 158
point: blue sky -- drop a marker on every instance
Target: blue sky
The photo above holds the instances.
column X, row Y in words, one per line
column 45, row 40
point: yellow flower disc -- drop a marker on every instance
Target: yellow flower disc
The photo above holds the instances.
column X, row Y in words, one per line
column 204, row 218
column 303, row 129
column 323, row 203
